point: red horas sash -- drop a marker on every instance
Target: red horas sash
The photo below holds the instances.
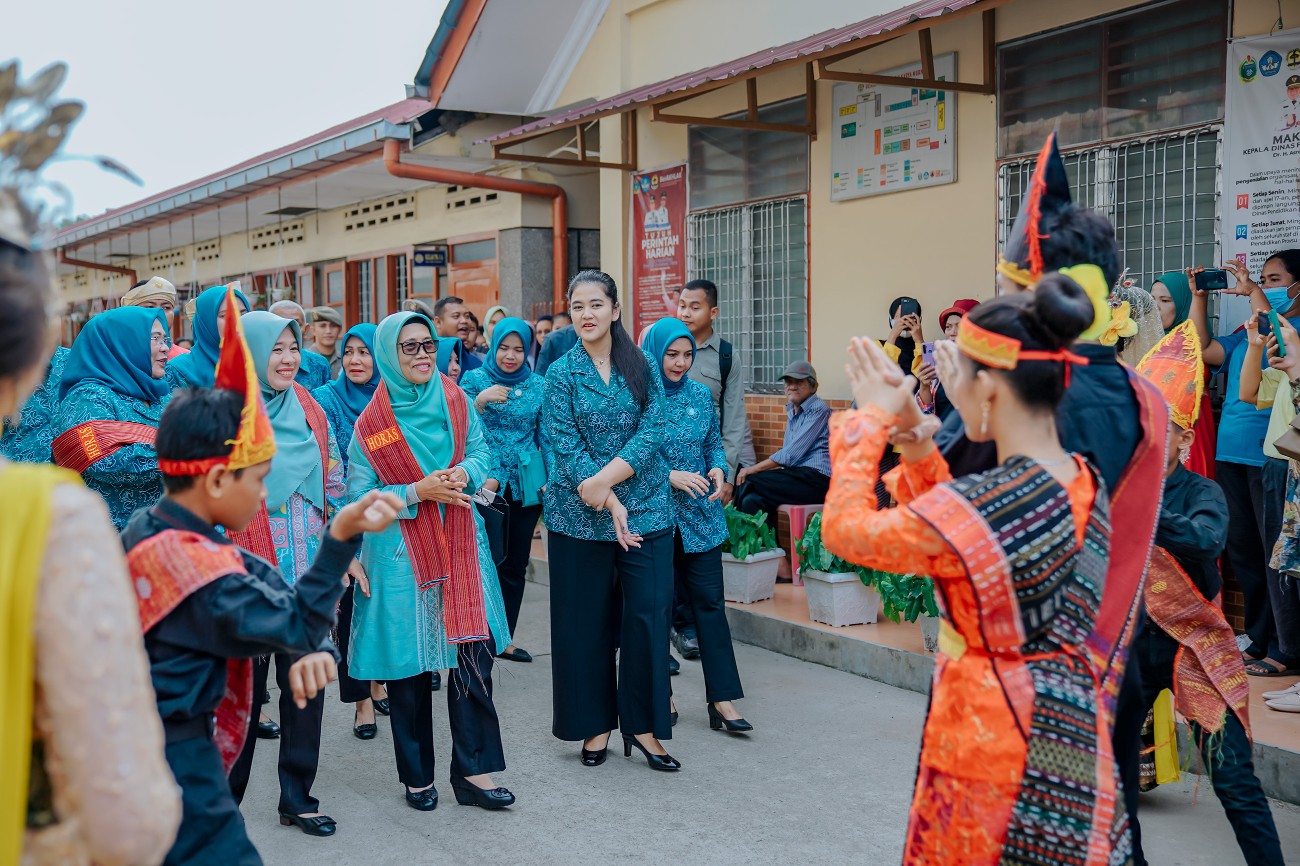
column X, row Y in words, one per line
column 1209, row 676
column 442, row 549
column 256, row 537
column 81, row 447
column 165, row 569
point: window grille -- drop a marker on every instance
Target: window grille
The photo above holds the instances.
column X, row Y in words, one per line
column 402, row 284
column 757, row 254
column 367, row 313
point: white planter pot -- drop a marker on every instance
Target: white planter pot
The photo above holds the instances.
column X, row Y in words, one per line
column 930, row 633
column 840, row 599
column 750, row 579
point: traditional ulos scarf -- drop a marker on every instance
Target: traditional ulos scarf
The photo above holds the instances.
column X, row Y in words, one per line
column 658, row 338
column 1209, row 675
column 199, row 365
column 165, row 570
column 115, row 350
column 407, row 432
column 354, row 398
column 503, row 329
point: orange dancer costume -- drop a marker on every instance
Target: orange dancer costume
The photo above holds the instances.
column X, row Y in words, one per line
column 1016, row 760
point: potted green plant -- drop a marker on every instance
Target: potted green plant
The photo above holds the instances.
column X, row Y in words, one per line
column 910, row 597
column 750, row 557
column 839, row 592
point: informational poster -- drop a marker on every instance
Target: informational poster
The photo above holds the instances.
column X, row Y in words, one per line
column 1261, row 152
column 889, row 139
column 658, row 244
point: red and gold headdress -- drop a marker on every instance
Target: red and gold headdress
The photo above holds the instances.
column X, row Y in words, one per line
column 1047, row 197
column 1005, row 353
column 1174, row 365
column 255, row 441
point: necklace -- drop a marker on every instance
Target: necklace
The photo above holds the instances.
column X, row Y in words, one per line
column 600, row 362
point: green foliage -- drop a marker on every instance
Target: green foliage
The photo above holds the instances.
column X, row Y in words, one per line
column 902, row 596
column 747, row 534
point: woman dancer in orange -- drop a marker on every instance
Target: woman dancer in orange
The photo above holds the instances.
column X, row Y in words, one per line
column 1016, row 760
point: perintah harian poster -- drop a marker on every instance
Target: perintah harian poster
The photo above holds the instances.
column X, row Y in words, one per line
column 889, row 139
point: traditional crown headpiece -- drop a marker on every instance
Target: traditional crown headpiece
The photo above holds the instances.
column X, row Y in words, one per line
column 1174, row 365
column 1048, row 195
column 255, row 441
column 1005, row 353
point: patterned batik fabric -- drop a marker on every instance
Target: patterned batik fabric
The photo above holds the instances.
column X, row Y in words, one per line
column 513, row 428
column 29, row 441
column 693, row 443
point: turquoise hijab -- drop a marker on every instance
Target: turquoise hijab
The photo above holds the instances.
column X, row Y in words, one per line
column 355, row 398
column 446, row 346
column 504, row 328
column 1181, row 291
column 115, row 349
column 199, row 364
column 421, row 410
column 658, row 338
column 297, row 464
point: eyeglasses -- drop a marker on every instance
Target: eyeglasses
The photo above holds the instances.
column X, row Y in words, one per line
column 414, row 347
column 160, row 339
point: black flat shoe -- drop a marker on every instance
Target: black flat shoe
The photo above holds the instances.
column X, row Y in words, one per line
column 657, row 762
column 673, row 718
column 473, row 795
column 365, row 732
column 516, row 655
column 674, row 666
column 424, row 801
column 320, row 825
column 382, row 706
column 437, row 681
column 268, row 731
column 732, row 726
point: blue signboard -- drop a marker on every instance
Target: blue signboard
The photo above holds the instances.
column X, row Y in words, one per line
column 434, row 257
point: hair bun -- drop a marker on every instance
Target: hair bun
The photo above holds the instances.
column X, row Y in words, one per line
column 1062, row 308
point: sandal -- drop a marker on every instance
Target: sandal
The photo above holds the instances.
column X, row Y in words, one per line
column 1268, row 668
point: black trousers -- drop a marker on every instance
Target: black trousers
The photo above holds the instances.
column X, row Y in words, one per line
column 212, row 830
column 1126, row 741
column 605, row 599
column 521, row 520
column 1228, row 764
column 1254, row 495
column 299, row 741
column 351, row 689
column 701, row 576
column 475, row 729
column 795, row 485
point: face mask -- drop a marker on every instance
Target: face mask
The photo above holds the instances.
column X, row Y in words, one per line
column 1277, row 298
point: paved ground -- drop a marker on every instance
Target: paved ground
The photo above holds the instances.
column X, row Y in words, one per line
column 827, row 777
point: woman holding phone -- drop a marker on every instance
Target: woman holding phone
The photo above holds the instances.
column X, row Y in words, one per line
column 1253, row 483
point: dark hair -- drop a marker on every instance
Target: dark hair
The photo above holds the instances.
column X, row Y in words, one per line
column 24, row 314
column 444, row 303
column 629, row 360
column 541, row 319
column 1082, row 236
column 709, row 288
column 473, row 318
column 1049, row 318
column 198, row 423
column 564, row 313
column 1290, row 260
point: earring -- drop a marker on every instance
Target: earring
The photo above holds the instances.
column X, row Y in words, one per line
column 984, row 420
column 1184, row 454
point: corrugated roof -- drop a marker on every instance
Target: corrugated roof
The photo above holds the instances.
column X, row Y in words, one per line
column 817, row 44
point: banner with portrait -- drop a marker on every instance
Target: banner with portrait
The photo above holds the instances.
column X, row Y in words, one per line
column 658, row 247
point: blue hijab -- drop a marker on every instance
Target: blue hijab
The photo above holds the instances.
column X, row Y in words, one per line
column 447, row 345
column 115, row 348
column 658, row 338
column 353, row 397
column 199, row 364
column 504, row 328
column 297, row 464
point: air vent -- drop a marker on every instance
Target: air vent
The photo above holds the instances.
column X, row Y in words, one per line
column 278, row 235
column 209, row 252
column 461, row 197
column 379, row 213
column 171, row 259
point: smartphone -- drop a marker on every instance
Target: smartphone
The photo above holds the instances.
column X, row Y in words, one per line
column 908, row 307
column 927, row 353
column 1276, row 329
column 1212, row 280
column 1266, row 323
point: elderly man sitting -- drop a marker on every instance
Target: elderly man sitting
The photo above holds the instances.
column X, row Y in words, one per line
column 314, row 370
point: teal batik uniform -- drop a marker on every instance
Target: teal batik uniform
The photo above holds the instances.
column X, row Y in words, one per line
column 513, row 427
column 29, row 441
column 694, row 444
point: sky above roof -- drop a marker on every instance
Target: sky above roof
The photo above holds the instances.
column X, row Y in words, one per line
column 176, row 91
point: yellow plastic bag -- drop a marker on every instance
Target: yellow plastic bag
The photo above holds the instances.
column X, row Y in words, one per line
column 1166, row 739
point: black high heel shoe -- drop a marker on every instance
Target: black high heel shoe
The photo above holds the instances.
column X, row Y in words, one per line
column 594, row 757
column 382, row 706
column 667, row 763
column 435, row 682
column 486, row 798
column 319, row 825
column 732, row 726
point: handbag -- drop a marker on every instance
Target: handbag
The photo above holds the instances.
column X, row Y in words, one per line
column 1288, row 444
column 532, row 476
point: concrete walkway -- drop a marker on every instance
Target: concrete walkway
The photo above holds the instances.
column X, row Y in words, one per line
column 826, row 778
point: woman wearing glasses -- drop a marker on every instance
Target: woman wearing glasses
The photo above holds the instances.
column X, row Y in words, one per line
column 433, row 601
column 110, row 400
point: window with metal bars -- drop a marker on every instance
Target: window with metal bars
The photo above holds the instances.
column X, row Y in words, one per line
column 757, row 254
column 1161, row 193
column 366, row 309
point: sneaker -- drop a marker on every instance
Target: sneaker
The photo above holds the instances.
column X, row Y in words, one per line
column 1286, row 704
column 1294, row 689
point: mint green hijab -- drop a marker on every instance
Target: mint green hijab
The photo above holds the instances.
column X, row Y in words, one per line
column 296, row 467
column 421, row 410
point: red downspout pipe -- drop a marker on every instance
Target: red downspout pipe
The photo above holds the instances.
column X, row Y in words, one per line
column 130, row 272
column 559, row 203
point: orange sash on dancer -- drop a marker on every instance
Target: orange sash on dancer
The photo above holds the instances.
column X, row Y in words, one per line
column 81, row 447
column 431, row 536
column 1209, row 676
column 165, row 570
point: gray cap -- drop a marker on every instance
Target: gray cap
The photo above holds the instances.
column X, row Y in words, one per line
column 800, row 370
column 326, row 314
